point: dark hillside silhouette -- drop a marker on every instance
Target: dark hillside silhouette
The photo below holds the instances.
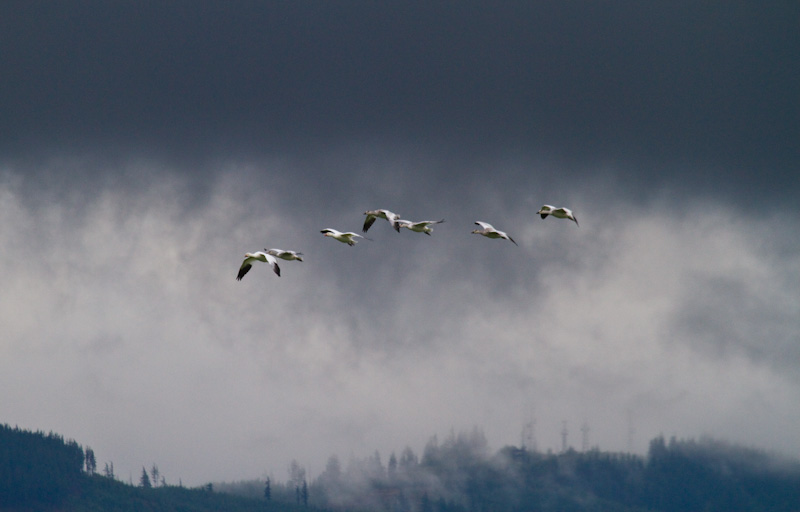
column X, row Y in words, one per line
column 37, row 468
column 43, row 472
column 459, row 474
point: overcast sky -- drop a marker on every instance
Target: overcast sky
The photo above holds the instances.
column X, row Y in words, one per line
column 146, row 146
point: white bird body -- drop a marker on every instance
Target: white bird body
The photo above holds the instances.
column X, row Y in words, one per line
column 285, row 255
column 423, row 226
column 559, row 213
column 252, row 257
column 346, row 237
column 490, row 232
column 380, row 214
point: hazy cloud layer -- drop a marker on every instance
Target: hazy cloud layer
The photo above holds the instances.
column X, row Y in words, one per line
column 126, row 328
column 144, row 148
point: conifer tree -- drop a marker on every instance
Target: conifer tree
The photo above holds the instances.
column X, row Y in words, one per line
column 144, row 480
column 392, row 467
column 154, row 473
column 108, row 471
column 91, row 462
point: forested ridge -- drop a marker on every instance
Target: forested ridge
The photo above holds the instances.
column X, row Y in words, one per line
column 461, row 474
column 45, row 472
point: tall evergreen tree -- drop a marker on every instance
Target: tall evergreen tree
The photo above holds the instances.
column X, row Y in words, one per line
column 154, row 473
column 108, row 471
column 296, row 473
column 91, row 462
column 144, row 480
column 392, row 466
column 408, row 459
column 268, row 490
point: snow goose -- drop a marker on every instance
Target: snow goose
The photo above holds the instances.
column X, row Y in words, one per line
column 559, row 213
column 346, row 238
column 423, row 226
column 251, row 258
column 285, row 255
column 380, row 214
column 490, row 232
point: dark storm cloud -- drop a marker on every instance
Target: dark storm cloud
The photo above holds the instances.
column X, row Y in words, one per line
column 623, row 81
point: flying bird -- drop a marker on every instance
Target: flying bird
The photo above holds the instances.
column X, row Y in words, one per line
column 251, row 258
column 559, row 213
column 490, row 232
column 380, row 214
column 423, row 226
column 285, row 255
column 346, row 238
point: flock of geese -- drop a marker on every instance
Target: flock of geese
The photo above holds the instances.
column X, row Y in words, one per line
column 272, row 256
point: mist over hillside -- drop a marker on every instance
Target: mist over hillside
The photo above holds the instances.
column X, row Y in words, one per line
column 461, row 473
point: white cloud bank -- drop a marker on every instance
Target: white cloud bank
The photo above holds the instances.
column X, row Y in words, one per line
column 124, row 328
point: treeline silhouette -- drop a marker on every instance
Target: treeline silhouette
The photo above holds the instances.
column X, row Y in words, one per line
column 37, row 467
column 43, row 472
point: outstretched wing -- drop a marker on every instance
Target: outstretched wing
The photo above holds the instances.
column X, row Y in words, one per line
column 276, row 268
column 424, row 223
column 244, row 269
column 368, row 222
